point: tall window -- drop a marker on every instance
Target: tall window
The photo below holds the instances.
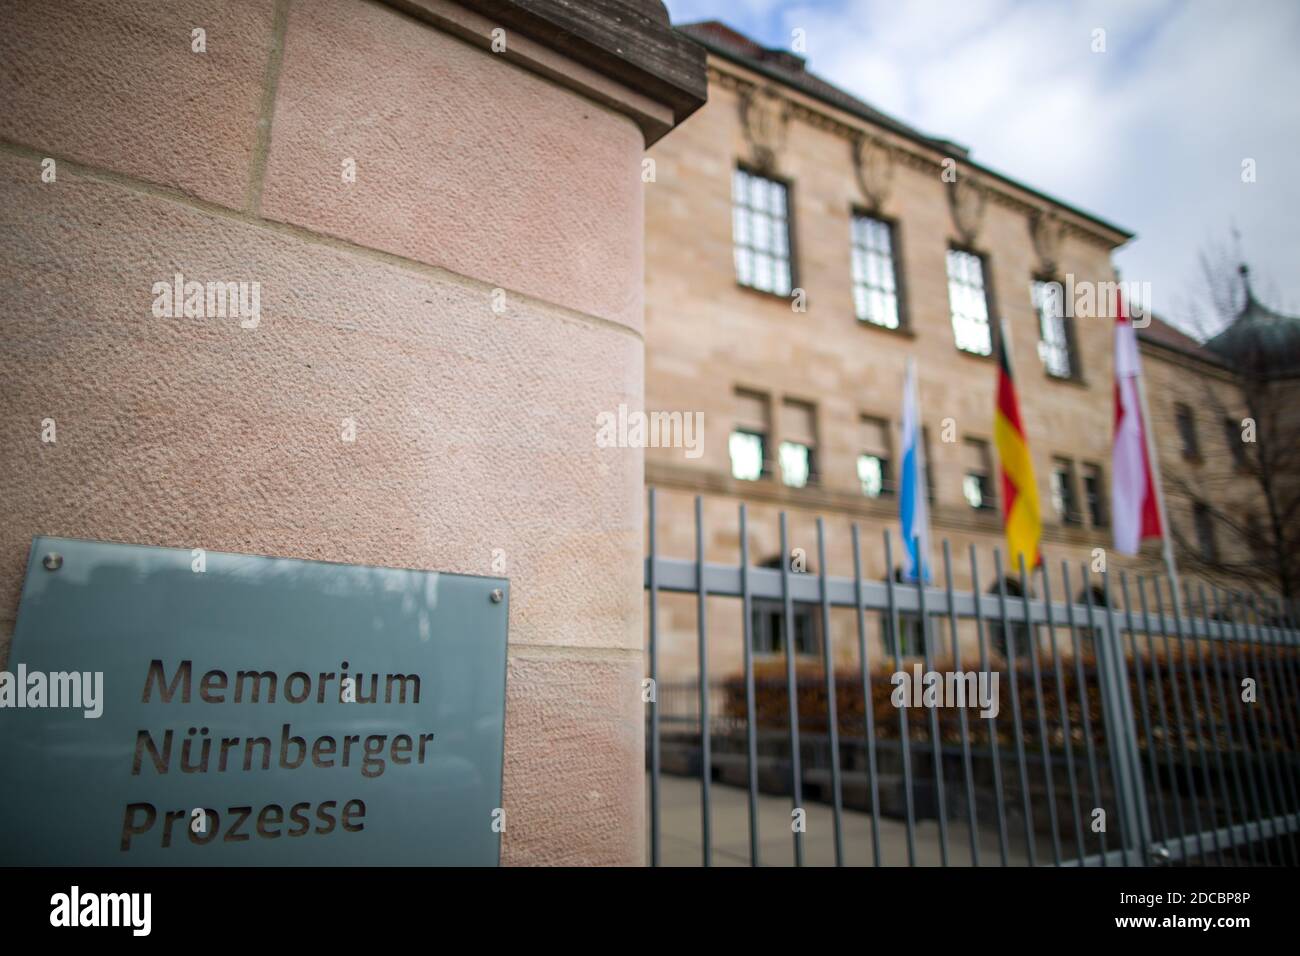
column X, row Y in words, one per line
column 760, row 227
column 799, row 443
column 1094, row 496
column 1056, row 332
column 875, row 473
column 1236, row 444
column 968, row 302
column 767, row 623
column 977, row 481
column 767, row 627
column 1067, row 509
column 911, row 631
column 1205, row 532
column 1187, row 430
column 749, row 441
column 875, row 286
column 1013, row 635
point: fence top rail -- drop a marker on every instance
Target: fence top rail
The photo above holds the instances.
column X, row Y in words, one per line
column 679, row 575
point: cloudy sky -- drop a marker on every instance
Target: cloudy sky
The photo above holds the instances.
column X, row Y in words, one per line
column 1150, row 135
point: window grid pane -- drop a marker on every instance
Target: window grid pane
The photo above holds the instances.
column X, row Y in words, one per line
column 969, row 303
column 1054, row 340
column 760, row 233
column 875, row 293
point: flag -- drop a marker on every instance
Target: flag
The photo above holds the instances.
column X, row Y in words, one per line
column 1021, row 517
column 913, row 502
column 1135, row 514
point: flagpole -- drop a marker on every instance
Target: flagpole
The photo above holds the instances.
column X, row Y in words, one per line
column 1166, row 533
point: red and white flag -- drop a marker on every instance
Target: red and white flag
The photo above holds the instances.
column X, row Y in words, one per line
column 1135, row 513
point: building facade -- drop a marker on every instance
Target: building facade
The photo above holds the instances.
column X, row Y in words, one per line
column 801, row 248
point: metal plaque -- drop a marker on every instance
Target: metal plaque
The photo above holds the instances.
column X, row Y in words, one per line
column 171, row 707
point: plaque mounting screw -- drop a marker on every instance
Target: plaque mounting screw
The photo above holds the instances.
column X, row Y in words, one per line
column 53, row 561
column 497, row 596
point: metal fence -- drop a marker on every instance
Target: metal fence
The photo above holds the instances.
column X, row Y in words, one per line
column 1135, row 729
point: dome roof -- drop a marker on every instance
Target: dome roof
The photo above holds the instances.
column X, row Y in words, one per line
column 1259, row 340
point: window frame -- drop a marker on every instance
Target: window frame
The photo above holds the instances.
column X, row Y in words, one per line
column 1067, row 326
column 896, row 261
column 988, row 488
column 1094, row 521
column 1190, row 440
column 791, row 245
column 1069, row 515
column 990, row 302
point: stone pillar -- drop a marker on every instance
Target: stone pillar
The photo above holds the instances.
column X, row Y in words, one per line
column 436, row 213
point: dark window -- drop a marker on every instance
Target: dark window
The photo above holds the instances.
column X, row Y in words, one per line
column 767, row 623
column 767, row 619
column 911, row 641
column 968, row 303
column 1055, row 330
column 1094, row 495
column 875, row 276
column 1205, row 531
column 1063, row 500
column 977, row 481
column 749, row 444
column 1018, row 631
column 874, row 473
column 799, row 444
column 760, row 223
column 1232, row 434
column 1187, row 431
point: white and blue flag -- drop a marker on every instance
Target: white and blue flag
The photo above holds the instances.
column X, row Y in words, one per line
column 913, row 501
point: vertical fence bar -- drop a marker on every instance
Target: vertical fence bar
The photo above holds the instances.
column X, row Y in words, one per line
column 1285, row 624
column 1285, row 785
column 1163, row 712
column 936, row 741
column 903, row 736
column 868, row 705
column 1230, row 644
column 832, row 718
column 1285, row 662
column 1267, row 783
column 961, row 713
column 1064, row 713
column 787, row 622
column 654, row 684
column 1144, row 706
column 1080, row 677
column 1030, row 849
column 1043, row 743
column 706, row 730
column 1220, row 771
column 1178, row 717
column 1134, row 823
column 1213, row 653
column 751, row 713
column 992, row 720
column 1196, row 725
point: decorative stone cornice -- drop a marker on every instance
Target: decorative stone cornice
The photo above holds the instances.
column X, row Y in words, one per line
column 765, row 120
column 967, row 198
column 873, row 165
column 1047, row 232
column 910, row 154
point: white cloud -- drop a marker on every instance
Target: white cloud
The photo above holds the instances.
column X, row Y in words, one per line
column 1149, row 134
